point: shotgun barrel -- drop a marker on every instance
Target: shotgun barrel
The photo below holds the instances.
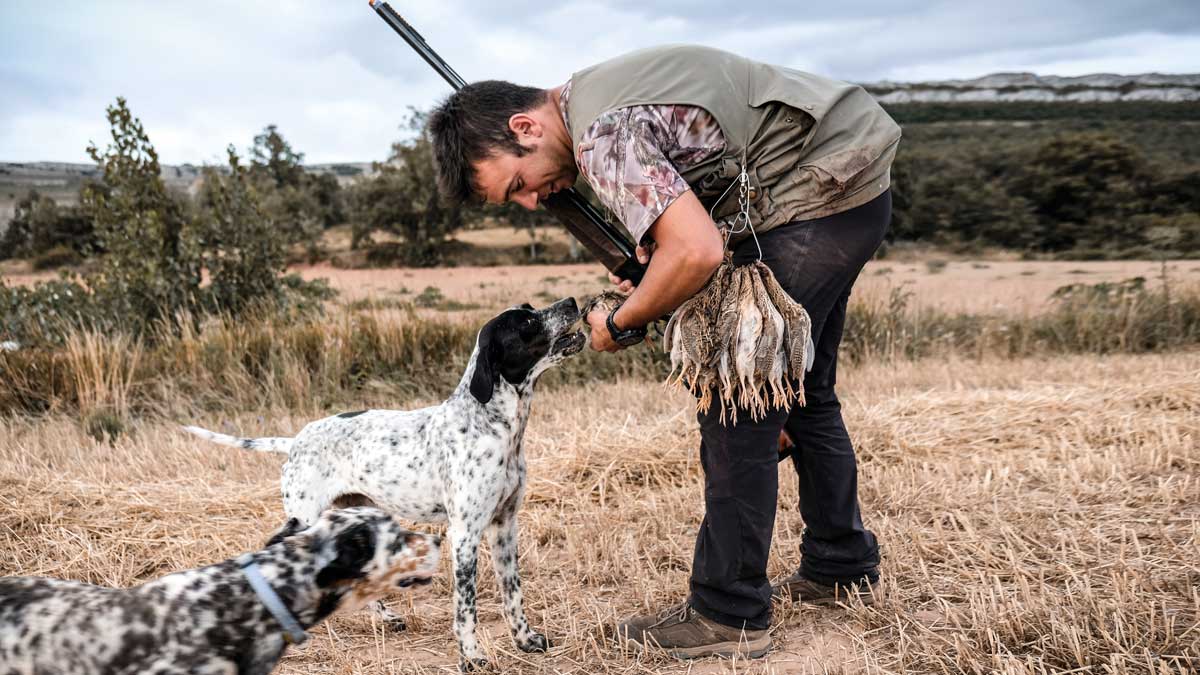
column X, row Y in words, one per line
column 607, row 243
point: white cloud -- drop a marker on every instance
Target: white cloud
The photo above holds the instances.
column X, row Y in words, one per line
column 338, row 82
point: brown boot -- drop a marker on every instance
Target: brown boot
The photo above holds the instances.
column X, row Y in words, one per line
column 802, row 589
column 686, row 634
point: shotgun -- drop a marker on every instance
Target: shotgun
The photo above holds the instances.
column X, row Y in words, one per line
column 607, row 243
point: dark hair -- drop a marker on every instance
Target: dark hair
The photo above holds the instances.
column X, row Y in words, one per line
column 472, row 124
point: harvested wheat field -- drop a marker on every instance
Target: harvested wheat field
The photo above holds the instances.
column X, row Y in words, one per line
column 1037, row 515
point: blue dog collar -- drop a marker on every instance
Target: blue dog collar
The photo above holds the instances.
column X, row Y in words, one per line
column 292, row 632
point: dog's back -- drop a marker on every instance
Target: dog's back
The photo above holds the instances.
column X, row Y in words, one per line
column 57, row 626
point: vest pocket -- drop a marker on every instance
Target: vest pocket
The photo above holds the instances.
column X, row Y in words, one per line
column 834, row 173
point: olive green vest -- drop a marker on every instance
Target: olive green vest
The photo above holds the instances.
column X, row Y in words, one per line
column 812, row 146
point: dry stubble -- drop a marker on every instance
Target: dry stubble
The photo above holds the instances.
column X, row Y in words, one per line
column 1036, row 516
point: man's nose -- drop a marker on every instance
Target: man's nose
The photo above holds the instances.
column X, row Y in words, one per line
column 528, row 199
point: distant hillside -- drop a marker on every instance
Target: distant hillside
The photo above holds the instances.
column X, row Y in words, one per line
column 1028, row 87
column 997, row 97
column 56, row 177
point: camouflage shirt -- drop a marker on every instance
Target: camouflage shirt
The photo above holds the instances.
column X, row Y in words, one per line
column 632, row 157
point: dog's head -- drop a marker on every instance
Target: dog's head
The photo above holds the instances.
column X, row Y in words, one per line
column 521, row 343
column 362, row 553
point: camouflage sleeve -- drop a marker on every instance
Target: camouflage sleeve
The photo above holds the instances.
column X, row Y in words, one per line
column 623, row 157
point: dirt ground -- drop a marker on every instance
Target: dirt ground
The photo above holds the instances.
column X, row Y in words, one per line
column 974, row 286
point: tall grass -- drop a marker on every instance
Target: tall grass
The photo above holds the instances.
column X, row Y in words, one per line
column 1125, row 318
column 306, row 363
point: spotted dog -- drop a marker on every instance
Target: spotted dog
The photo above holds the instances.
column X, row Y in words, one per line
column 212, row 620
column 460, row 462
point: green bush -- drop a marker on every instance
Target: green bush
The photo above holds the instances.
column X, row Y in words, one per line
column 239, row 244
column 402, row 198
column 147, row 281
column 150, row 272
column 1069, row 189
column 39, row 226
column 46, row 312
column 299, row 203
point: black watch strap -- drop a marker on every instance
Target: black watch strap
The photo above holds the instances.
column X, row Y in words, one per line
column 627, row 337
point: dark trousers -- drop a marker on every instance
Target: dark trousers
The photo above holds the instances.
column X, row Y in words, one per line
column 816, row 262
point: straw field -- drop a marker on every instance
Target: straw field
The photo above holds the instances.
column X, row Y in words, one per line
column 1038, row 512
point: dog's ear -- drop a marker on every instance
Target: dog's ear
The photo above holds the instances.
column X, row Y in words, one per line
column 355, row 547
column 483, row 381
column 292, row 526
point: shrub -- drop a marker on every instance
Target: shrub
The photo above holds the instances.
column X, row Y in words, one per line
column 300, row 204
column 147, row 282
column 45, row 313
column 39, row 226
column 239, row 243
column 403, row 198
column 150, row 272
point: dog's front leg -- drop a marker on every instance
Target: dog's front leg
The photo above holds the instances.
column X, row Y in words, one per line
column 464, row 540
column 502, row 539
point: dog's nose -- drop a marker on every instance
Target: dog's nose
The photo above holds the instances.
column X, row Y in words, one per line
column 567, row 304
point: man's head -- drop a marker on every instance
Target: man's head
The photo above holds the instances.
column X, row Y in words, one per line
column 497, row 142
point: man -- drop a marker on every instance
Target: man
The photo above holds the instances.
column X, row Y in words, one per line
column 665, row 137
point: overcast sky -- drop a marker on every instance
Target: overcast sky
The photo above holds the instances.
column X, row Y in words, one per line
column 337, row 81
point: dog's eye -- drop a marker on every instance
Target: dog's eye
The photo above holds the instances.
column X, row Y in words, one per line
column 528, row 327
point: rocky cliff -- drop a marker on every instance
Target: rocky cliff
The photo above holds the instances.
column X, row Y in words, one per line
column 1026, row 87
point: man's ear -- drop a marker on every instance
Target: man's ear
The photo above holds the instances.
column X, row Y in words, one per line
column 523, row 124
column 355, row 547
column 292, row 526
column 483, row 381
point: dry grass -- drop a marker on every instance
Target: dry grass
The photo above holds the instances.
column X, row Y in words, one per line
column 1037, row 515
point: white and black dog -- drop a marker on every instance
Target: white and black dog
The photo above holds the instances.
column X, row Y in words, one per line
column 233, row 617
column 460, row 462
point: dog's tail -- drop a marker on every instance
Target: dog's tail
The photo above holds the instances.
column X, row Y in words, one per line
column 281, row 445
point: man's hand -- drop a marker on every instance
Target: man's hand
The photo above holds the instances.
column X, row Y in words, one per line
column 643, row 256
column 601, row 339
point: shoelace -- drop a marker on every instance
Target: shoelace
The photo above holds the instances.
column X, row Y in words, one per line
column 680, row 612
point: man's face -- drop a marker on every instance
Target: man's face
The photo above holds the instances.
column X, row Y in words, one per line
column 530, row 179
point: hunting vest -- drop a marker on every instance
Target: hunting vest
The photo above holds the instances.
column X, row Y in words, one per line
column 811, row 146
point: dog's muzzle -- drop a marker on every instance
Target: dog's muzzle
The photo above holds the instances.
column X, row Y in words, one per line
column 570, row 344
column 559, row 318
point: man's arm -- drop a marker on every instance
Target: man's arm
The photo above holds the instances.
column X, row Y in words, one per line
column 688, row 249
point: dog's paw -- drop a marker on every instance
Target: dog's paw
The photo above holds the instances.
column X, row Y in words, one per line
column 536, row 642
column 473, row 665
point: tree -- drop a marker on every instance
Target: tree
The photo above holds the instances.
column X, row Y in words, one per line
column 301, row 204
column 403, row 198
column 240, row 245
column 1085, row 188
column 274, row 157
column 150, row 271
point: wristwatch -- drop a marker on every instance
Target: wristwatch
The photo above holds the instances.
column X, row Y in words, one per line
column 627, row 337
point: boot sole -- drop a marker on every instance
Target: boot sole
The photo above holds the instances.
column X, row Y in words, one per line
column 755, row 649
